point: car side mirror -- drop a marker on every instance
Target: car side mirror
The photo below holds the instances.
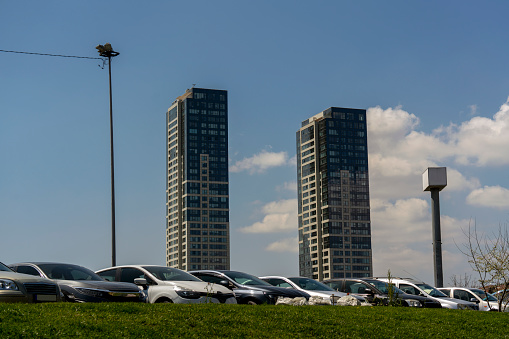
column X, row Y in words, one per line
column 474, row 300
column 141, row 282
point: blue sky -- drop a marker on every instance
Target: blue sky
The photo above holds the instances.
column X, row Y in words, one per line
column 433, row 76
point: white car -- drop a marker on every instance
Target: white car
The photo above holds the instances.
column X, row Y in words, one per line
column 310, row 286
column 412, row 286
column 486, row 302
column 169, row 285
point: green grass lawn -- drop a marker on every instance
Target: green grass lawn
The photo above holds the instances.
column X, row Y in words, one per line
column 114, row 320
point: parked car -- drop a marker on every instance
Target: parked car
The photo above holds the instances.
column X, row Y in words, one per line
column 17, row 287
column 169, row 285
column 486, row 302
column 376, row 292
column 247, row 288
column 415, row 287
column 79, row 284
column 309, row 286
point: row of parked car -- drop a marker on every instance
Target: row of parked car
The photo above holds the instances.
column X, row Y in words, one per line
column 51, row 282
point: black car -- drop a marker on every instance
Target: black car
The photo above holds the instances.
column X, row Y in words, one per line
column 79, row 284
column 247, row 288
column 376, row 292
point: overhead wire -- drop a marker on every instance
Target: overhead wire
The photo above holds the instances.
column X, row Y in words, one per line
column 54, row 55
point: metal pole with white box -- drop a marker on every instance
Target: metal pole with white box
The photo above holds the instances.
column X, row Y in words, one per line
column 434, row 179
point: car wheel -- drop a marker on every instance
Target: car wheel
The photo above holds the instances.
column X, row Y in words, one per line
column 251, row 302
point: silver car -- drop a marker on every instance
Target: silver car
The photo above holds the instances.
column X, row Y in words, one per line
column 169, row 285
column 17, row 287
column 412, row 286
column 310, row 286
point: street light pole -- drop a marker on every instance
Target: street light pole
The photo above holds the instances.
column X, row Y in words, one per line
column 108, row 52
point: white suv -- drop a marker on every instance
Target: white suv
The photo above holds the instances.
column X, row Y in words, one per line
column 169, row 285
column 416, row 287
column 486, row 302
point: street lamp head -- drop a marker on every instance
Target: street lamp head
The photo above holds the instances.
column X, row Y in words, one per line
column 106, row 50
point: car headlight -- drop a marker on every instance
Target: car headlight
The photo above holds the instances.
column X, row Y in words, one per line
column 187, row 293
column 6, row 284
column 413, row 303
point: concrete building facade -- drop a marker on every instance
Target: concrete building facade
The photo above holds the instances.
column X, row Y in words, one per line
column 197, row 219
column 333, row 195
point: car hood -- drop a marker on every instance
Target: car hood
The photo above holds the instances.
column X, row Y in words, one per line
column 326, row 294
column 102, row 285
column 198, row 286
column 24, row 278
column 454, row 301
column 280, row 291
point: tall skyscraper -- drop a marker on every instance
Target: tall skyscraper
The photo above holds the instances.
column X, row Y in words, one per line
column 198, row 229
column 333, row 189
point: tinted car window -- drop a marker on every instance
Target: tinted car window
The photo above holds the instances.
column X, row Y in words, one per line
column 483, row 295
column 336, row 285
column 460, row 294
column 129, row 274
column 446, row 291
column 355, row 287
column 409, row 289
column 4, row 268
column 210, row 278
column 310, row 284
column 68, row 272
column 108, row 274
column 245, row 279
column 168, row 274
column 28, row 270
column 278, row 283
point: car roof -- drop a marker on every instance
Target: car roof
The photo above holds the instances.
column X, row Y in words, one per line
column 37, row 263
column 399, row 279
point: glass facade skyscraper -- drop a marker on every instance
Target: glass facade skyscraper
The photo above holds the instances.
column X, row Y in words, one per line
column 333, row 195
column 197, row 229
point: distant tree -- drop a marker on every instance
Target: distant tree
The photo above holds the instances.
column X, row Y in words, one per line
column 489, row 257
column 459, row 281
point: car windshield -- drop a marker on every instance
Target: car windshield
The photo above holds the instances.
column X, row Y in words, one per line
column 383, row 286
column 481, row 294
column 431, row 290
column 170, row 274
column 245, row 279
column 4, row 268
column 311, row 285
column 68, row 272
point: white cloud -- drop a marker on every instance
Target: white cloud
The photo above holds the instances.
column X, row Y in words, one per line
column 479, row 141
column 483, row 141
column 489, row 196
column 279, row 216
column 260, row 162
column 284, row 245
column 402, row 240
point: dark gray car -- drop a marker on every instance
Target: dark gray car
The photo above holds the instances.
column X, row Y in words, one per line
column 376, row 292
column 247, row 288
column 79, row 284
